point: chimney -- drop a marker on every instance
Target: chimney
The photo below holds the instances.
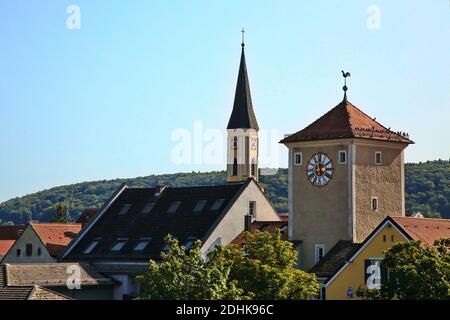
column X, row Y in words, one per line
column 247, row 222
column 159, row 189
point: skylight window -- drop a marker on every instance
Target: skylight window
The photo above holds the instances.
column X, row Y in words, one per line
column 199, row 206
column 189, row 243
column 142, row 244
column 91, row 247
column 124, row 209
column 217, row 204
column 174, row 207
column 118, row 245
column 148, row 208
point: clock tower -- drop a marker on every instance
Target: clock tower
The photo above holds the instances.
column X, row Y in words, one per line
column 346, row 174
column 242, row 131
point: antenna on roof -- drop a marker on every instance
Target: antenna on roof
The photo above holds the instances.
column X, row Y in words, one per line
column 345, row 88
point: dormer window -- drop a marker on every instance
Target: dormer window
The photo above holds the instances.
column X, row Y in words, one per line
column 91, row 247
column 217, row 204
column 118, row 245
column 199, row 206
column 142, row 244
column 124, row 209
column 148, row 208
column 174, row 207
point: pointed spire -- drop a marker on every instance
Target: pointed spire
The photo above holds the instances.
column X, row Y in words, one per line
column 243, row 116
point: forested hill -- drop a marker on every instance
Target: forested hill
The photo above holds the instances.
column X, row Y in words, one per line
column 427, row 191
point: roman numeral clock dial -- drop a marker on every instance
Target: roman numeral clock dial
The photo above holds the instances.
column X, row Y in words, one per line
column 319, row 170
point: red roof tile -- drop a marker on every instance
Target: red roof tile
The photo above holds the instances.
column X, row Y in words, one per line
column 56, row 236
column 346, row 121
column 425, row 229
column 267, row 226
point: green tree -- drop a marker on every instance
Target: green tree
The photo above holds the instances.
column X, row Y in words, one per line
column 62, row 214
column 264, row 268
column 182, row 275
column 415, row 272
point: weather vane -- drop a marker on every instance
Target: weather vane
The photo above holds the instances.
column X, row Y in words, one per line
column 345, row 88
column 243, row 37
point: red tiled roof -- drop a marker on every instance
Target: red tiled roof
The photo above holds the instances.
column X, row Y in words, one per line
column 56, row 236
column 426, row 230
column 267, row 226
column 9, row 235
column 346, row 121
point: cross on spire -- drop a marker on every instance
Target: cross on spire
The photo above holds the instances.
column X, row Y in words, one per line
column 243, row 37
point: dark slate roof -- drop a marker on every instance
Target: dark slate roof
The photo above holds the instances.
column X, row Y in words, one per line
column 243, row 116
column 109, row 226
column 335, row 259
column 346, row 121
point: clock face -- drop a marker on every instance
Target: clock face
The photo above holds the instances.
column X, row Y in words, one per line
column 319, row 169
column 253, row 144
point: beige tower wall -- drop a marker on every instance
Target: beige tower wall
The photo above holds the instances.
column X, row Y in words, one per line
column 385, row 182
column 244, row 153
column 319, row 215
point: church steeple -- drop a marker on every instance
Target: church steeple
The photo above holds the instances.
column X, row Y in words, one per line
column 243, row 116
column 242, row 130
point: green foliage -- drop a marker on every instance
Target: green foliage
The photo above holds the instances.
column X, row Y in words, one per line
column 182, row 275
column 61, row 215
column 264, row 268
column 427, row 191
column 416, row 272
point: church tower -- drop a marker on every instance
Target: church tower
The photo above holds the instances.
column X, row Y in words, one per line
column 242, row 131
column 346, row 174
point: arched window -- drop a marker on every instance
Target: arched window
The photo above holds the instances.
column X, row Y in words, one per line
column 235, row 143
column 235, row 167
column 253, row 168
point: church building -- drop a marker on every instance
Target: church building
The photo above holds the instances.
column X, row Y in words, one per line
column 346, row 174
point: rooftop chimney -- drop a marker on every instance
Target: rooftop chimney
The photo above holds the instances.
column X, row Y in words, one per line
column 247, row 222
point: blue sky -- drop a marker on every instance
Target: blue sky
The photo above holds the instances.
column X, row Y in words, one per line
column 103, row 101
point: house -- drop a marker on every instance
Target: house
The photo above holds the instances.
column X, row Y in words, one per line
column 30, row 292
column 264, row 226
column 349, row 266
column 130, row 228
column 60, row 278
column 41, row 242
column 9, row 235
column 346, row 174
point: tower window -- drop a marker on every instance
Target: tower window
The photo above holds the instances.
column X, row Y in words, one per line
column 252, row 208
column 298, row 158
column 342, row 156
column 253, row 168
column 235, row 143
column 320, row 252
column 235, row 167
column 378, row 157
column 28, row 249
column 374, row 203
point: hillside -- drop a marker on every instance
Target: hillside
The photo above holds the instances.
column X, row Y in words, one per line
column 427, row 191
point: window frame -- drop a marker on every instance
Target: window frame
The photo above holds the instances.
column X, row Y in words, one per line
column 174, row 207
column 298, row 153
column 377, row 204
column 316, row 252
column 199, row 206
column 121, row 242
column 91, row 247
column 146, row 210
column 381, row 158
column 345, row 156
column 219, row 206
column 28, row 249
column 141, row 241
column 125, row 208
column 252, row 208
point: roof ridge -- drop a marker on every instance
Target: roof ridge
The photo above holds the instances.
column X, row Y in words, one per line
column 423, row 219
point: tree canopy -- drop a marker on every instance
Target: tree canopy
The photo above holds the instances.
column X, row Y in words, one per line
column 262, row 268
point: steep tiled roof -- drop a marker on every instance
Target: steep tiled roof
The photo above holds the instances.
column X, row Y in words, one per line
column 56, row 236
column 243, row 116
column 141, row 214
column 266, row 226
column 426, row 230
column 346, row 121
column 40, row 293
column 52, row 274
column 9, row 235
column 335, row 258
